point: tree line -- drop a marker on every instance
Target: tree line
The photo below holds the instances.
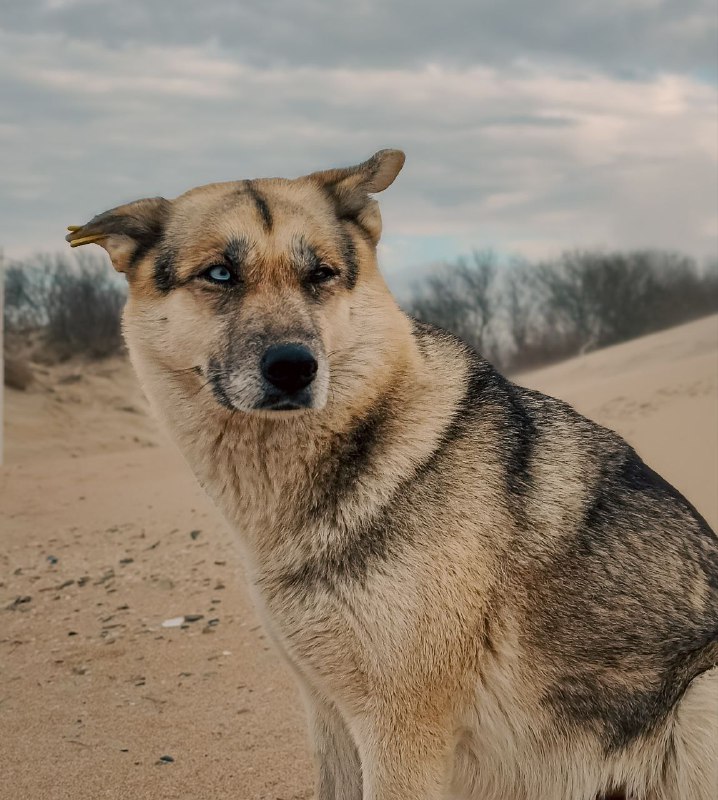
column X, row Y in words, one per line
column 522, row 314
column 518, row 313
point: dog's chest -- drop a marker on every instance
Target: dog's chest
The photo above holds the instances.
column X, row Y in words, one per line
column 316, row 635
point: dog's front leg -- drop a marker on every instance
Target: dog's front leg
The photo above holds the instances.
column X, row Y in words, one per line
column 405, row 760
column 339, row 775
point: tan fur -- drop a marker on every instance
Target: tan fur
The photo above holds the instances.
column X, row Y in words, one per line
column 419, row 681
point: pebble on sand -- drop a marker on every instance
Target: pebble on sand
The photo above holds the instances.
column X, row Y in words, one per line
column 175, row 622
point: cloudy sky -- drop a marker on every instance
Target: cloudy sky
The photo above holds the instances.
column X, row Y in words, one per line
column 529, row 127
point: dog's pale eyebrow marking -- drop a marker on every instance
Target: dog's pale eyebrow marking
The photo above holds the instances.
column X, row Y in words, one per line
column 262, row 205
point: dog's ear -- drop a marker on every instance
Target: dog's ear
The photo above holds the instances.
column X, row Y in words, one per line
column 127, row 232
column 350, row 188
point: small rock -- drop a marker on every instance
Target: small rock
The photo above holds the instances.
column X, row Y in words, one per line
column 194, row 534
column 193, row 617
column 175, row 622
column 20, row 601
column 166, row 760
column 52, row 560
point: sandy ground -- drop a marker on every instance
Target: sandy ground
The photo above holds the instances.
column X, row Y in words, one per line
column 105, row 536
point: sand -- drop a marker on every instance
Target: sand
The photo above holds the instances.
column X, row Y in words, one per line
column 105, row 536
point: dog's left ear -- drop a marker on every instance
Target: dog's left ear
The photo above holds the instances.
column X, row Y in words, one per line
column 127, row 232
column 350, row 188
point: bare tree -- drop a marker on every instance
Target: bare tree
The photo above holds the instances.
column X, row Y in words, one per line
column 461, row 299
column 523, row 315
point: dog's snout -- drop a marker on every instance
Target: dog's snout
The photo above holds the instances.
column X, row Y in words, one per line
column 289, row 367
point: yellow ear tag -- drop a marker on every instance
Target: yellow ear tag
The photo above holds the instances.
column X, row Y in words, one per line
column 86, row 240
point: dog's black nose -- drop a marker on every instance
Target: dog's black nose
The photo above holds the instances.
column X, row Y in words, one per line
column 289, row 367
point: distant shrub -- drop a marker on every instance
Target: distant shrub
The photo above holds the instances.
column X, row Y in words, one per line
column 17, row 373
column 76, row 302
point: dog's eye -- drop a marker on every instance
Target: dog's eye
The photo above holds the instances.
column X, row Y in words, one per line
column 321, row 274
column 219, row 274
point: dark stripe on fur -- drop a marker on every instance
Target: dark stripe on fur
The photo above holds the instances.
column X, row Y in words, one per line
column 349, row 257
column 261, row 204
column 144, row 246
column 236, row 252
column 367, row 545
column 625, row 644
column 165, row 273
column 519, row 440
column 215, row 375
column 349, row 459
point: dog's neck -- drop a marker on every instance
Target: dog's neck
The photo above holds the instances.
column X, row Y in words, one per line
column 285, row 482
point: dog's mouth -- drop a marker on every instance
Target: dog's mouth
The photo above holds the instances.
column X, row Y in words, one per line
column 300, row 403
column 252, row 394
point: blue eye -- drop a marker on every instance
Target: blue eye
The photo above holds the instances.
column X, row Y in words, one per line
column 218, row 274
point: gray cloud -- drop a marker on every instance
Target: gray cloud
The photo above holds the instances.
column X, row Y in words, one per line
column 616, row 35
column 586, row 124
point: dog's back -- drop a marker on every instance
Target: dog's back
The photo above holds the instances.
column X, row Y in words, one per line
column 611, row 576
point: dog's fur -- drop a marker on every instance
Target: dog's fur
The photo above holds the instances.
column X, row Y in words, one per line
column 481, row 593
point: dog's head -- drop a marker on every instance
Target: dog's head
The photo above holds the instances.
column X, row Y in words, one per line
column 250, row 287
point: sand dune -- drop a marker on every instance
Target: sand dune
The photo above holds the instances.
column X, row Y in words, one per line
column 661, row 394
column 106, row 536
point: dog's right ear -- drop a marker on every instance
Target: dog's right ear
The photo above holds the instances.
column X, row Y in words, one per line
column 127, row 232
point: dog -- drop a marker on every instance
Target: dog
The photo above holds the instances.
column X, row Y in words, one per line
column 481, row 593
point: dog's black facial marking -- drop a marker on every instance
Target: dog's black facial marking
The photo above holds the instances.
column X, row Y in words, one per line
column 349, row 257
column 145, row 243
column 215, row 374
column 308, row 262
column 262, row 206
column 236, row 252
column 165, row 270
